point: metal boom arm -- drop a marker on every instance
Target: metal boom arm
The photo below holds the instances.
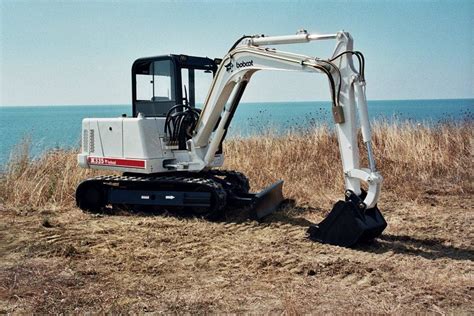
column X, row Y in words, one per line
column 347, row 86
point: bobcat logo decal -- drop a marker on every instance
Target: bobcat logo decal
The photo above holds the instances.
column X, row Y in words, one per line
column 229, row 67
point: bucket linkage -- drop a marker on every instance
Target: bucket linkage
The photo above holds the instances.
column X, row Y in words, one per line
column 349, row 223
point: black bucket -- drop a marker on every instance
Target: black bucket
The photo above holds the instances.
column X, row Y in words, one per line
column 349, row 223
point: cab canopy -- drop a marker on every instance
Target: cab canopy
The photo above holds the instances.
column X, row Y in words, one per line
column 161, row 82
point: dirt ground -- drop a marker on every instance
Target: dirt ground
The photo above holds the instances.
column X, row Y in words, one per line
column 61, row 260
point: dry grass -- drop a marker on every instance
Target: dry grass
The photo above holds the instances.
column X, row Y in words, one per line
column 411, row 158
column 56, row 259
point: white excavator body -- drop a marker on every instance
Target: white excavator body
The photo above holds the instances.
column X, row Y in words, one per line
column 129, row 144
column 169, row 135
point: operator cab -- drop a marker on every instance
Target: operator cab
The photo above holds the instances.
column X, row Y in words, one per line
column 161, row 82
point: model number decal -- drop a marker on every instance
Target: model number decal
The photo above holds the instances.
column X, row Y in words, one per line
column 117, row 162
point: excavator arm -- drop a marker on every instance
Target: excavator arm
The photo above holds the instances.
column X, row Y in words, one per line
column 347, row 90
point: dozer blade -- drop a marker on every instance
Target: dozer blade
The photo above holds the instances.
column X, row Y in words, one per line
column 349, row 224
column 268, row 200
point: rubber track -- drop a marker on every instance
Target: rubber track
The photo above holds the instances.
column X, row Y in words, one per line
column 128, row 182
column 237, row 179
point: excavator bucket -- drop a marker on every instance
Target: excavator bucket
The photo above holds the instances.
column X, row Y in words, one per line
column 349, row 223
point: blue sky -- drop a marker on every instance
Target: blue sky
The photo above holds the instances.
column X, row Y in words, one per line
column 80, row 52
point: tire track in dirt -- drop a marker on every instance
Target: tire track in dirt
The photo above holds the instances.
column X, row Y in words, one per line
column 162, row 263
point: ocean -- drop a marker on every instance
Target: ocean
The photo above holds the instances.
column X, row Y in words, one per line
column 49, row 127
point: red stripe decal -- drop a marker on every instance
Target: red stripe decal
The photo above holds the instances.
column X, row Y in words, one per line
column 116, row 162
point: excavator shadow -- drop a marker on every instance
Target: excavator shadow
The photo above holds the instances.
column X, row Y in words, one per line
column 287, row 213
column 430, row 248
column 290, row 213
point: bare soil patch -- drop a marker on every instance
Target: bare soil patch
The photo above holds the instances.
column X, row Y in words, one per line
column 61, row 260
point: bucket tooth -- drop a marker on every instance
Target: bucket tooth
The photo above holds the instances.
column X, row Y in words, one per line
column 349, row 224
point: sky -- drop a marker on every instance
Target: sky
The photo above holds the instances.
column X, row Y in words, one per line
column 80, row 52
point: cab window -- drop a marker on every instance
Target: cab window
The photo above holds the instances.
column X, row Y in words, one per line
column 155, row 87
column 156, row 84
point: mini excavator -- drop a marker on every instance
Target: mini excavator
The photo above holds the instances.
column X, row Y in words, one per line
column 169, row 151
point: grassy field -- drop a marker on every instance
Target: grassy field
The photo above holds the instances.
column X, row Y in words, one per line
column 56, row 259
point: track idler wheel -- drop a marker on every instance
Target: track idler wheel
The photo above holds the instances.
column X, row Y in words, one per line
column 90, row 197
column 349, row 223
